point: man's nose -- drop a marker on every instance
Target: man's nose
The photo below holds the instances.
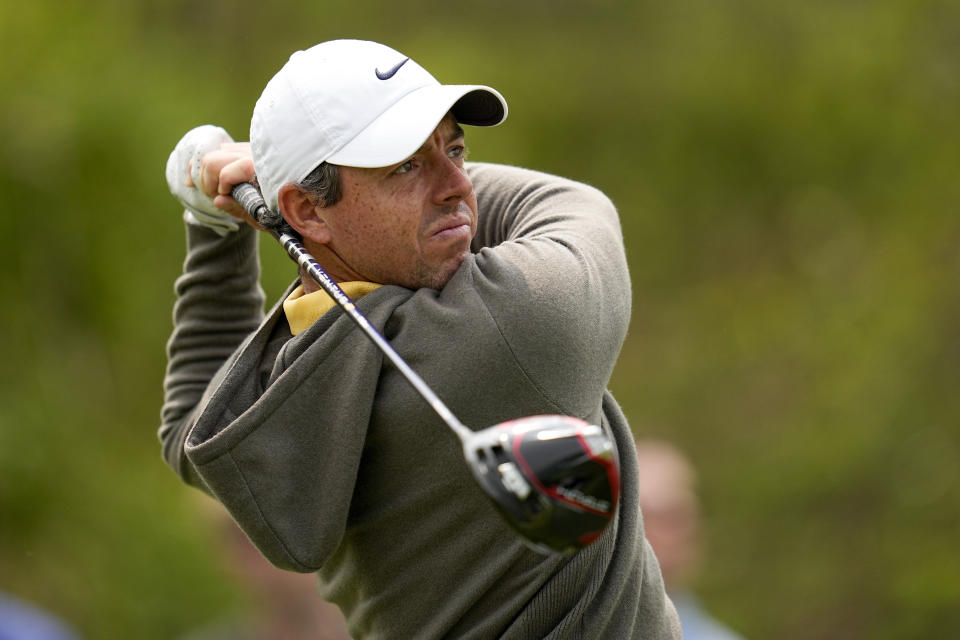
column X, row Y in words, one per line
column 453, row 184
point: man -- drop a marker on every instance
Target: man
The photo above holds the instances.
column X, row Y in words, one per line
column 671, row 512
column 506, row 289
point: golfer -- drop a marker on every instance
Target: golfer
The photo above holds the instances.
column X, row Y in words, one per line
column 506, row 289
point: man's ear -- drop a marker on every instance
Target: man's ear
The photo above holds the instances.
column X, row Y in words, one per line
column 303, row 213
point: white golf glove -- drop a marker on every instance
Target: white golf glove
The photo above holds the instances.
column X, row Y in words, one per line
column 199, row 209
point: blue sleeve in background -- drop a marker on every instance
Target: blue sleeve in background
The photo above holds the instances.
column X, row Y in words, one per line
column 22, row 621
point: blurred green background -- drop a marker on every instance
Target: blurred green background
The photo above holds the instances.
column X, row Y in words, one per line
column 787, row 179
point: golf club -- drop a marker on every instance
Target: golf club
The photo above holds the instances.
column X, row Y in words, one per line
column 555, row 479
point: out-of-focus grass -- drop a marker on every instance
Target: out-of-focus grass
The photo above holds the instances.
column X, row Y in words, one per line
column 786, row 180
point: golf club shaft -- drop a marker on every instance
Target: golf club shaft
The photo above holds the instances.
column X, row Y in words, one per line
column 252, row 201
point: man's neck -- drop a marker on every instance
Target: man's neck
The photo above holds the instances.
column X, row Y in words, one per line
column 330, row 263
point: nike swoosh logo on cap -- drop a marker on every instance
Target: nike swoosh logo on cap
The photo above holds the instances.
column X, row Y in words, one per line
column 386, row 75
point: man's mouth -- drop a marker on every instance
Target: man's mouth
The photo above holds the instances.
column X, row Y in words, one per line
column 453, row 225
column 453, row 231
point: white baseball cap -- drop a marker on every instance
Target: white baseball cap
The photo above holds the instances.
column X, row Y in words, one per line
column 354, row 103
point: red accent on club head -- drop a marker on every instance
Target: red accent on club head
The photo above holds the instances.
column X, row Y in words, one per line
column 588, row 538
column 612, row 473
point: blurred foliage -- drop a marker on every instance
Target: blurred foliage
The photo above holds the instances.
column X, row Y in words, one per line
column 786, row 178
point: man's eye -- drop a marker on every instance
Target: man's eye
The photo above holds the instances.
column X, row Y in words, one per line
column 458, row 151
column 404, row 168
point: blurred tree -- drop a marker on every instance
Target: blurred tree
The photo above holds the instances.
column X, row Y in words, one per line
column 786, row 178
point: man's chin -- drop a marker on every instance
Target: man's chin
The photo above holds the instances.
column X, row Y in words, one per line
column 439, row 277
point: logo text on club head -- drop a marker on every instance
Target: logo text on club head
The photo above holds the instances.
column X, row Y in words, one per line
column 581, row 498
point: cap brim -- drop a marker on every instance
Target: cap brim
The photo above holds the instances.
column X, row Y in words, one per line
column 403, row 128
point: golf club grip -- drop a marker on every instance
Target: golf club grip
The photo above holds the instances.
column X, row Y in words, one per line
column 252, row 201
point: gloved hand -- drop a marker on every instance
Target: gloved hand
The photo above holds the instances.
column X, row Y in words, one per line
column 199, row 208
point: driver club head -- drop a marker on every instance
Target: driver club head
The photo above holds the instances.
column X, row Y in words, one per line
column 555, row 479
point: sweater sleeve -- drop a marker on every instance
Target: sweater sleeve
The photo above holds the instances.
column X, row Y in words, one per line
column 219, row 303
column 551, row 270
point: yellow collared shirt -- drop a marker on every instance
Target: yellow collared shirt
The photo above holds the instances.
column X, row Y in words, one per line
column 302, row 310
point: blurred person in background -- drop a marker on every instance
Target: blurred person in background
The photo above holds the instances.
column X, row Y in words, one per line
column 282, row 605
column 671, row 517
column 20, row 620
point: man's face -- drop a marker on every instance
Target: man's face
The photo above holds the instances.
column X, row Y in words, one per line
column 409, row 224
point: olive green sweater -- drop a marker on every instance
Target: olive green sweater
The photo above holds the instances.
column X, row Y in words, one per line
column 330, row 462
